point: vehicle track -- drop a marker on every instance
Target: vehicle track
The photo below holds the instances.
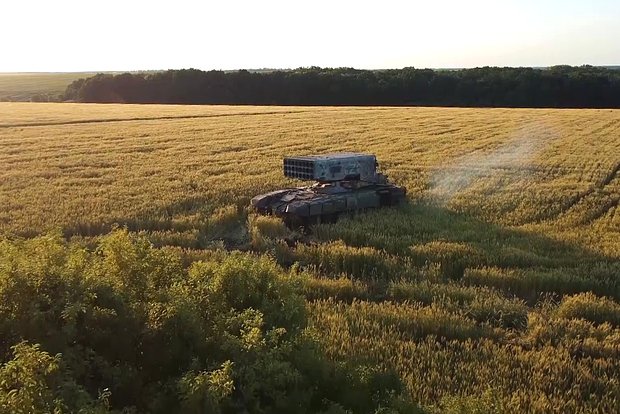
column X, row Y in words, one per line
column 160, row 118
column 599, row 186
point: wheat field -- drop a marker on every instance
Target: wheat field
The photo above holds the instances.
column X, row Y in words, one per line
column 497, row 285
column 24, row 86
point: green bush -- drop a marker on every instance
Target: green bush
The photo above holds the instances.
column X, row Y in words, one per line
column 36, row 382
column 132, row 322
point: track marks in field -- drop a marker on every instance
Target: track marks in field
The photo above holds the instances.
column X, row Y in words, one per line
column 160, row 118
column 610, row 176
column 531, row 166
column 599, row 205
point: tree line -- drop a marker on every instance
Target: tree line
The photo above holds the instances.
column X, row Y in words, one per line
column 557, row 86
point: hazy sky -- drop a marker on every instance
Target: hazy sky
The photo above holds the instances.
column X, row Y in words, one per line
column 86, row 35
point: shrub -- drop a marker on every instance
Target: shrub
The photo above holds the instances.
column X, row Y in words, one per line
column 225, row 335
column 243, row 281
column 35, row 382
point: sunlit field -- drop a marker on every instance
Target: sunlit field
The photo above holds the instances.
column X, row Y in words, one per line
column 36, row 85
column 495, row 287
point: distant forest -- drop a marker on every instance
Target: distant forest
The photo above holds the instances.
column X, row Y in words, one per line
column 557, row 86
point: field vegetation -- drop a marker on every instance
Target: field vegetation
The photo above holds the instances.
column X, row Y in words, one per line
column 133, row 276
column 36, row 86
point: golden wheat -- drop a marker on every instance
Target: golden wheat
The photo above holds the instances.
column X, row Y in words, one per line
column 497, row 286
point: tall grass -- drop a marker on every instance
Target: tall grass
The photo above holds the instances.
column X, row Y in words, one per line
column 591, row 308
column 495, row 289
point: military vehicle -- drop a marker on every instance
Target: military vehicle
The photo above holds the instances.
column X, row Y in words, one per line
column 344, row 183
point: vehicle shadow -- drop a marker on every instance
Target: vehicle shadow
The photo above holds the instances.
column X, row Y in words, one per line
column 477, row 252
column 467, row 248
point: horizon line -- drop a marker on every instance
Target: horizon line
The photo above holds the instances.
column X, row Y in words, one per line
column 303, row 67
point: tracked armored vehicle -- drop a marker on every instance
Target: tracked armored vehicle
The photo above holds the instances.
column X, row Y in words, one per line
column 344, row 183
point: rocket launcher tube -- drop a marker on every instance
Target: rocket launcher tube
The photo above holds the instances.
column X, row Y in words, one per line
column 332, row 167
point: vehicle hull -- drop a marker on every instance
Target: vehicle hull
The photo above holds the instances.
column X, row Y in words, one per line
column 309, row 205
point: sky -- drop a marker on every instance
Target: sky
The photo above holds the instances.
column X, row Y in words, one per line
column 127, row 35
